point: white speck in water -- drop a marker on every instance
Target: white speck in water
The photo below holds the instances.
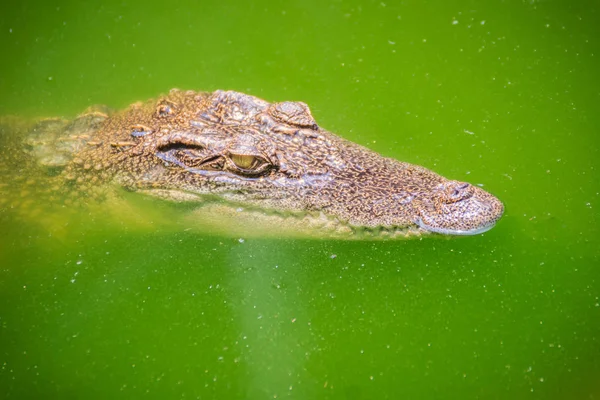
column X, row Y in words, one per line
column 390, row 42
column 454, row 22
column 241, row 240
column 482, row 22
column 50, row 78
column 332, row 256
column 10, row 30
column 469, row 132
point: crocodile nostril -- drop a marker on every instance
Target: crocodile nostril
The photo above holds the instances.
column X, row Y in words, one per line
column 455, row 191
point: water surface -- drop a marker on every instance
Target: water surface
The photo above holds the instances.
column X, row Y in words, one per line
column 499, row 94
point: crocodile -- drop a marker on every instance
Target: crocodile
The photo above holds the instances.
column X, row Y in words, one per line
column 232, row 154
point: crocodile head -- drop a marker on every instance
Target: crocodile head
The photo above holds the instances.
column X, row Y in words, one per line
column 242, row 151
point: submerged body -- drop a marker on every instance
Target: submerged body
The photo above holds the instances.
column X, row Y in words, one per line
column 236, row 154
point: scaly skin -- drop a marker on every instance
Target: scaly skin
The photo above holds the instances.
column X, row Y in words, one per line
column 230, row 150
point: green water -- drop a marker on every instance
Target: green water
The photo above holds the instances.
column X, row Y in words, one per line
column 503, row 94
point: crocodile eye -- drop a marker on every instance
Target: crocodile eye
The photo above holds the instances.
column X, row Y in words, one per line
column 252, row 165
column 294, row 113
column 244, row 161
